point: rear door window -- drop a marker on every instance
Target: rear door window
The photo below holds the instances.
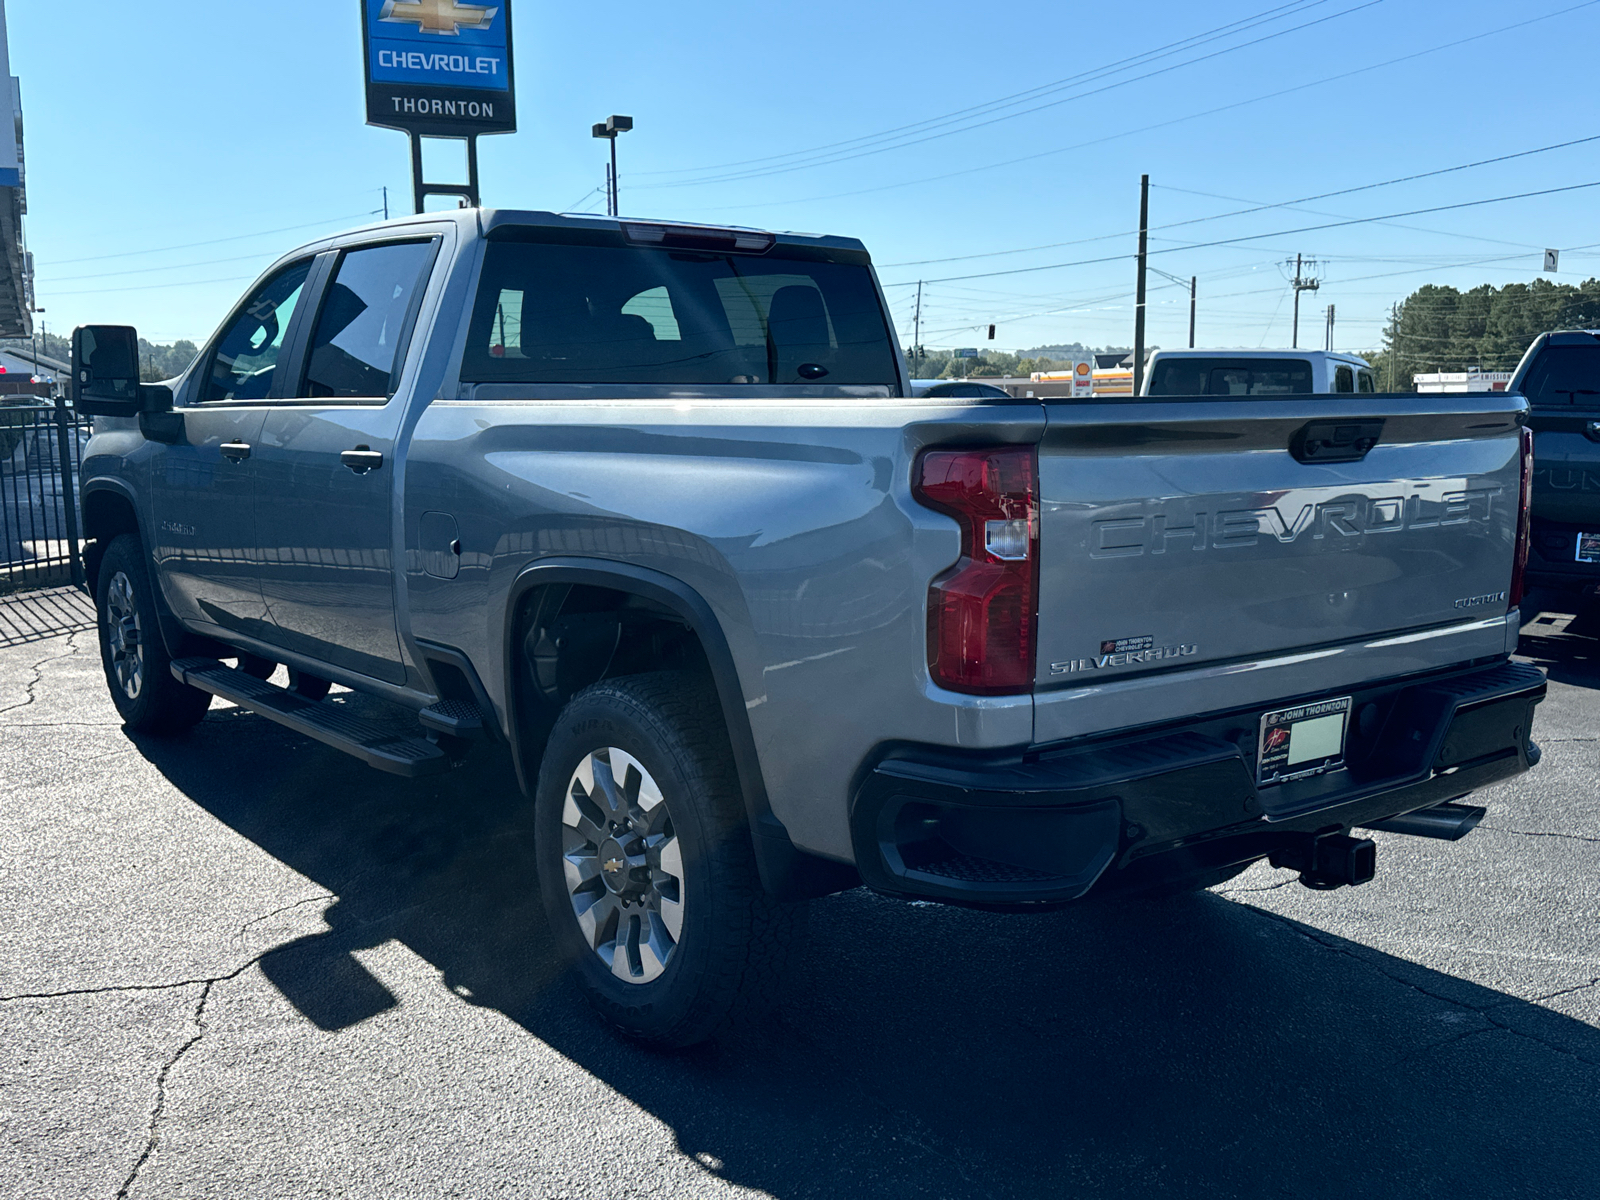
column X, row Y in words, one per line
column 607, row 313
column 364, row 320
column 1366, row 382
column 1344, row 379
column 1564, row 377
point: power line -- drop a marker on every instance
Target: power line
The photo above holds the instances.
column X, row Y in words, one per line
column 146, row 287
column 1278, row 233
column 1336, row 78
column 1004, row 101
column 66, row 262
column 209, row 262
column 902, row 143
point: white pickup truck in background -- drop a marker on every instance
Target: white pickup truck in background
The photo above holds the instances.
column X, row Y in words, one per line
column 1257, row 373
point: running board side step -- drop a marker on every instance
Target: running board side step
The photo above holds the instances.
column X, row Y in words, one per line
column 327, row 723
column 1448, row 822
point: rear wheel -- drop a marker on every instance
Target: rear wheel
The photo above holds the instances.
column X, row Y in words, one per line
column 646, row 866
column 137, row 666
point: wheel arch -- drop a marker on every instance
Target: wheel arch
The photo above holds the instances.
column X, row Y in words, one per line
column 109, row 510
column 787, row 872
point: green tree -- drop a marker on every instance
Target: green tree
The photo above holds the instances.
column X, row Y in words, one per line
column 1443, row 329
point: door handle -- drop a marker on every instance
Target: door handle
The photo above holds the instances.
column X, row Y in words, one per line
column 362, row 459
column 235, row 451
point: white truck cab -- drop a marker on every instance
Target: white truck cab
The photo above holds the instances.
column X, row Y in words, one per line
column 1257, row 373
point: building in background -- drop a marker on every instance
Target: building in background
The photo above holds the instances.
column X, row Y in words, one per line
column 16, row 264
column 1473, row 380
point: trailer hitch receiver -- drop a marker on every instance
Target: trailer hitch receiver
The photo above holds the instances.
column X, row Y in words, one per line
column 1329, row 860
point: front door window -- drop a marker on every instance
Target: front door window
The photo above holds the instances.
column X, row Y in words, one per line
column 244, row 365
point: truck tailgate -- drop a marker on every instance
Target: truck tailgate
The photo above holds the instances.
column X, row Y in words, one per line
column 1189, row 532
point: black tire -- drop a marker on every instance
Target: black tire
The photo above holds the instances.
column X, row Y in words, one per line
column 727, row 962
column 137, row 666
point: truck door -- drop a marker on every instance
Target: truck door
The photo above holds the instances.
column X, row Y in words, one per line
column 325, row 468
column 203, row 493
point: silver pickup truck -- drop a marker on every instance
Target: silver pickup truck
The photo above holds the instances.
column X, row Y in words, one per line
column 653, row 508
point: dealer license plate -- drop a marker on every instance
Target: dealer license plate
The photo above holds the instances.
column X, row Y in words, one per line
column 1302, row 741
column 1588, row 548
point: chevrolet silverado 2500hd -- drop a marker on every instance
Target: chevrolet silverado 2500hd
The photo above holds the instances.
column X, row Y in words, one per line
column 653, row 506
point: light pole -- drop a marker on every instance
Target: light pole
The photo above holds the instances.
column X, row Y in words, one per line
column 609, row 130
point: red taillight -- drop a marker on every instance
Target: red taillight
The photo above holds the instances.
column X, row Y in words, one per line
column 1519, row 564
column 982, row 612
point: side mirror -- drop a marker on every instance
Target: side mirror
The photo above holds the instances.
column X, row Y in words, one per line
column 105, row 371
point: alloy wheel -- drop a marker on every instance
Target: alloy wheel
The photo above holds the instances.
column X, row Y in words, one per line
column 125, row 636
column 623, row 865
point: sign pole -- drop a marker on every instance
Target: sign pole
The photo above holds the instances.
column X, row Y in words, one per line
column 440, row 69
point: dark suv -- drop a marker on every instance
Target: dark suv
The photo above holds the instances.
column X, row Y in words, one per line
column 1560, row 376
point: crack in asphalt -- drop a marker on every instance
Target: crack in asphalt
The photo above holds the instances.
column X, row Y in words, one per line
column 1571, row 991
column 1486, row 1012
column 286, row 908
column 38, row 674
column 1271, row 887
column 109, row 989
column 153, row 1134
column 1535, row 833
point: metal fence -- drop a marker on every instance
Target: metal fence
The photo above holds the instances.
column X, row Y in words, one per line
column 41, row 451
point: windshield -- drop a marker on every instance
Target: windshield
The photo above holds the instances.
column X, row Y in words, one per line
column 1231, row 377
column 617, row 314
column 1563, row 376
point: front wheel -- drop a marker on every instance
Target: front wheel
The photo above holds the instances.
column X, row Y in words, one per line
column 646, row 866
column 137, row 666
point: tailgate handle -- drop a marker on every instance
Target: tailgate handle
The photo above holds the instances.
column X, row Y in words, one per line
column 1336, row 441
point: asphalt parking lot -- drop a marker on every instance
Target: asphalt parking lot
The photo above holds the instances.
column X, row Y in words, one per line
column 238, row 964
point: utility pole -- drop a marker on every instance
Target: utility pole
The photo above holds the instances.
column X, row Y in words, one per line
column 1194, row 285
column 916, row 321
column 1329, row 346
column 1138, row 303
column 1302, row 283
column 1394, row 347
column 386, row 202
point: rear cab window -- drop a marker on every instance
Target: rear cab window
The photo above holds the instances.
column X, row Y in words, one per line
column 1231, row 377
column 601, row 310
column 1564, row 377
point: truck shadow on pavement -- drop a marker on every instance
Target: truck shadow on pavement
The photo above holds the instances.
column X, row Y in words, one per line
column 1195, row 1047
column 1200, row 1045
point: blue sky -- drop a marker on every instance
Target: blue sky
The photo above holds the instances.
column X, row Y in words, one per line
column 159, row 130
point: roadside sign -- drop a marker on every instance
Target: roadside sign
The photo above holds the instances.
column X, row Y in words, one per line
column 1552, row 260
column 439, row 68
column 969, row 352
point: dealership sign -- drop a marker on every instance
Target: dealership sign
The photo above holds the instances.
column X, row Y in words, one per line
column 439, row 67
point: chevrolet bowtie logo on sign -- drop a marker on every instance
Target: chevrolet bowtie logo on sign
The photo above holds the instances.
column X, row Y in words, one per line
column 439, row 68
column 439, row 16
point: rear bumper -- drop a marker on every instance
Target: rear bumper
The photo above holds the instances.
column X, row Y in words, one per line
column 1052, row 824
